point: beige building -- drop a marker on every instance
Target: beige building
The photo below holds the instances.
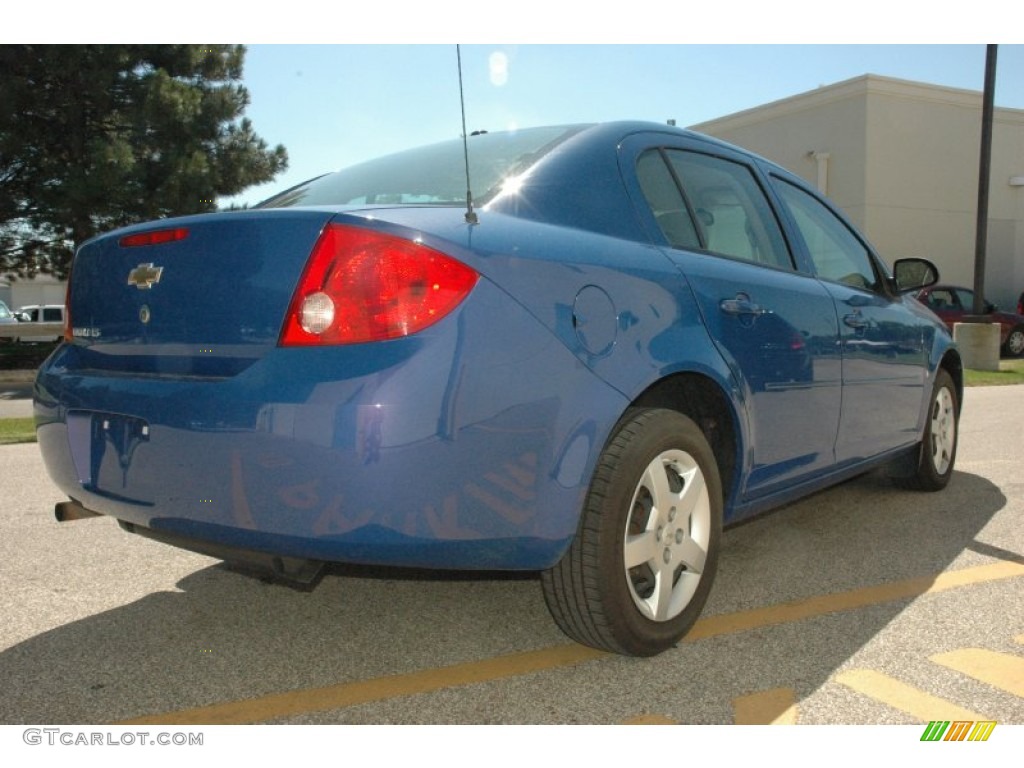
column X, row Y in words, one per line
column 42, row 289
column 901, row 159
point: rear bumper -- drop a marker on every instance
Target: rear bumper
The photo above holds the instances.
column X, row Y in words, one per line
column 298, row 572
column 456, row 448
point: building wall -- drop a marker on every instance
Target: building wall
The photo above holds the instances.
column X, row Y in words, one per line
column 42, row 289
column 903, row 164
column 791, row 132
column 1004, row 275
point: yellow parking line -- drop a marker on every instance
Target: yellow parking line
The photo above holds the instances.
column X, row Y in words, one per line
column 278, row 705
column 1000, row 670
column 906, row 698
column 350, row 694
column 773, row 707
column 784, row 613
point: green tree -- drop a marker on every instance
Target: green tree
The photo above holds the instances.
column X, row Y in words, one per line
column 98, row 136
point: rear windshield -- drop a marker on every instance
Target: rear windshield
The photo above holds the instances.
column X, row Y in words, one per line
column 432, row 175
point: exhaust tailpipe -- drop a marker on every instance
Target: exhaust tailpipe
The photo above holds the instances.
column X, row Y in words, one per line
column 72, row 510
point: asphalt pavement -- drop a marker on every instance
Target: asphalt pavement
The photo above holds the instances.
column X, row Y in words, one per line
column 863, row 604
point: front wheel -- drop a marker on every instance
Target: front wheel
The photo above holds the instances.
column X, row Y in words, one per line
column 938, row 447
column 1014, row 344
column 640, row 568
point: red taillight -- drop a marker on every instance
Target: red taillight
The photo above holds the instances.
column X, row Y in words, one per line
column 153, row 237
column 360, row 285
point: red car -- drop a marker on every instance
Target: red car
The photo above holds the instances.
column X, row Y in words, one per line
column 951, row 303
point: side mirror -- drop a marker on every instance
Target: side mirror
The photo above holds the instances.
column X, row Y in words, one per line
column 914, row 274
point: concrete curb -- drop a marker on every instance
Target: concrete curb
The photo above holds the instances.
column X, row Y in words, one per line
column 18, row 377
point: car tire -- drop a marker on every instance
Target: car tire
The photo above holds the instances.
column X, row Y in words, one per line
column 937, row 451
column 1014, row 344
column 640, row 568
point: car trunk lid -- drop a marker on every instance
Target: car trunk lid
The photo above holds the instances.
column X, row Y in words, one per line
column 200, row 295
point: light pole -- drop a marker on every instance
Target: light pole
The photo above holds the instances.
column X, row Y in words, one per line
column 985, row 164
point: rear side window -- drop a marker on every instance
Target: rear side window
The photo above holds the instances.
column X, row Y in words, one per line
column 53, row 315
column 666, row 201
column 706, row 202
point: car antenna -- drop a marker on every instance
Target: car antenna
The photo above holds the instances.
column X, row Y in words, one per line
column 471, row 217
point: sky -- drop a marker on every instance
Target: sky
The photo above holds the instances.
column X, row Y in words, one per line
column 334, row 105
column 344, row 82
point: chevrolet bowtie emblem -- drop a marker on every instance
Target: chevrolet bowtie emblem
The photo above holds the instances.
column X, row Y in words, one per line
column 145, row 276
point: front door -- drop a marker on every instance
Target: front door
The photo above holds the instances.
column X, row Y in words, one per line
column 885, row 345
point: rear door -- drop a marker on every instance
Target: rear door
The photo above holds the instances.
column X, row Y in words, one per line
column 775, row 327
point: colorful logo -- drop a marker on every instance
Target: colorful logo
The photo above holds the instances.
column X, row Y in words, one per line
column 958, row 730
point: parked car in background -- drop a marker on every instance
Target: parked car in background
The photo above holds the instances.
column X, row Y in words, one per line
column 952, row 303
column 6, row 318
column 638, row 334
column 32, row 316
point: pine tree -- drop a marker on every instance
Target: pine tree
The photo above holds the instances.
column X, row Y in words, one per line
column 97, row 136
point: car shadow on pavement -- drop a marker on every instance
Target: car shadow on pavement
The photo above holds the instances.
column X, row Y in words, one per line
column 226, row 637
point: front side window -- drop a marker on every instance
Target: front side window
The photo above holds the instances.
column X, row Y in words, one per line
column 942, row 298
column 837, row 254
column 966, row 299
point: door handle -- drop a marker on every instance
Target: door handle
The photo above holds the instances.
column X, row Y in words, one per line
column 742, row 305
column 856, row 320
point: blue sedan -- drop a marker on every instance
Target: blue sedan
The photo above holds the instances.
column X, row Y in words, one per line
column 626, row 336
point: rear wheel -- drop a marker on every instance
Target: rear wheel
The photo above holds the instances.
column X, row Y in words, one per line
column 640, row 568
column 938, row 448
